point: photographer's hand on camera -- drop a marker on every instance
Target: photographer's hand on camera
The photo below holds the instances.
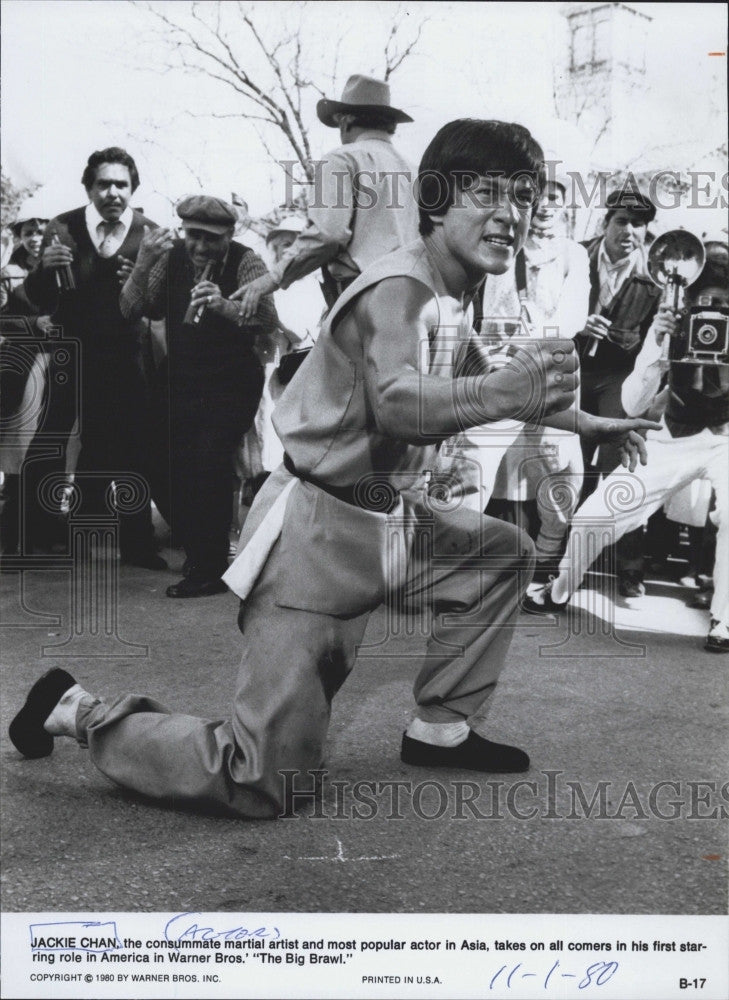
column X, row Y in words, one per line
column 43, row 326
column 665, row 323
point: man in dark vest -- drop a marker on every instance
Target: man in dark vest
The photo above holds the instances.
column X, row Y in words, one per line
column 212, row 380
column 97, row 244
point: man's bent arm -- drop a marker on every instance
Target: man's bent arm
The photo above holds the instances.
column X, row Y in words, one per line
column 145, row 292
column 328, row 231
column 266, row 318
column 394, row 320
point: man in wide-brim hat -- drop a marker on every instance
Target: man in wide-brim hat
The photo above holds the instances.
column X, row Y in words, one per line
column 362, row 95
column 362, row 205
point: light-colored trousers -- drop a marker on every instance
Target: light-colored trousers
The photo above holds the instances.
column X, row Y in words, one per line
column 513, row 461
column 465, row 570
column 624, row 501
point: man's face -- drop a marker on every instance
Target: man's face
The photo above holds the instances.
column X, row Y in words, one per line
column 204, row 247
column 111, row 190
column 487, row 224
column 623, row 233
column 280, row 243
column 549, row 208
column 31, row 236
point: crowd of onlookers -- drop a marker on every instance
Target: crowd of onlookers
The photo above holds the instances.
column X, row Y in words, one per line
column 175, row 346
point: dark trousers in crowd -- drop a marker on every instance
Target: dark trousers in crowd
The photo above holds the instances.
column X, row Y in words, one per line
column 193, row 486
column 114, row 448
column 111, row 406
column 600, row 391
column 31, row 512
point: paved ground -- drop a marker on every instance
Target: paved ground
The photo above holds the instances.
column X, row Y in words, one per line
column 629, row 709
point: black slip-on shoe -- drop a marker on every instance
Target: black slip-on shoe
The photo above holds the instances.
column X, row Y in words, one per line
column 26, row 730
column 188, row 587
column 540, row 602
column 716, row 643
column 474, row 754
column 702, row 600
column 630, row 585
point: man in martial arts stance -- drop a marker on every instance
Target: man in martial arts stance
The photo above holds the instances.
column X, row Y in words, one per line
column 345, row 523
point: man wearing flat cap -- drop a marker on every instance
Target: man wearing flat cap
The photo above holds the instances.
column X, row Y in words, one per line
column 212, row 379
column 623, row 302
column 362, row 205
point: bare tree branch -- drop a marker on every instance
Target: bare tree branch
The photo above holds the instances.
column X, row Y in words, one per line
column 226, row 43
column 394, row 58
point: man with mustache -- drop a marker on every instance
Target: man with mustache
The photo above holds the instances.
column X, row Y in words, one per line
column 346, row 522
column 99, row 243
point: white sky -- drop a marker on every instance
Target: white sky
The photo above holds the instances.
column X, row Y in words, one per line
column 81, row 75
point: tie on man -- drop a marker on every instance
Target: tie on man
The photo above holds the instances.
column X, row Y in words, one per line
column 107, row 231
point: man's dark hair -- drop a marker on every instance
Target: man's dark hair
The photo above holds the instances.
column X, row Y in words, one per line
column 630, row 199
column 114, row 154
column 370, row 119
column 468, row 148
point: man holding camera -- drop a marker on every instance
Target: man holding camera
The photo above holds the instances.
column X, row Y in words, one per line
column 692, row 443
column 346, row 522
column 623, row 302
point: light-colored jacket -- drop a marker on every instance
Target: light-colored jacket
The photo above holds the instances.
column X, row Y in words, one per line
column 340, row 558
column 362, row 208
column 324, row 419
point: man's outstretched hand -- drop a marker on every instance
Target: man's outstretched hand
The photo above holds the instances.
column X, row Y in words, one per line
column 250, row 295
column 629, row 433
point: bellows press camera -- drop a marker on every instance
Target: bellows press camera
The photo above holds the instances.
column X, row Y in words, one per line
column 675, row 261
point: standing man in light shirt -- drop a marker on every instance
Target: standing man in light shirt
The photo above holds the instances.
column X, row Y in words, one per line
column 623, row 303
column 550, row 287
column 99, row 243
column 362, row 205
